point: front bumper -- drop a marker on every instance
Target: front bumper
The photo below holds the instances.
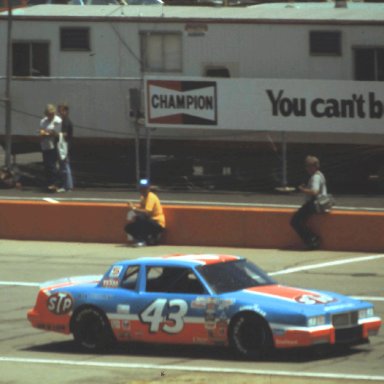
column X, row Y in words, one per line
column 291, row 337
column 48, row 322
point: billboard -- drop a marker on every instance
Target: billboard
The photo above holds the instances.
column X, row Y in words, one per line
column 182, row 102
column 265, row 104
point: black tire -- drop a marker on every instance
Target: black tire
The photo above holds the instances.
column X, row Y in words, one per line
column 91, row 330
column 250, row 337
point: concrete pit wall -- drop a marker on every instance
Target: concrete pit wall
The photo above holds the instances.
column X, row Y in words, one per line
column 190, row 225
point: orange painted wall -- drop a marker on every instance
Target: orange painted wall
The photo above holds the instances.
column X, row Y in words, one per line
column 190, row 225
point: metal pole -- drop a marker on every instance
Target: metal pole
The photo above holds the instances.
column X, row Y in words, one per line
column 137, row 151
column 148, row 154
column 8, row 104
column 134, row 103
column 284, row 160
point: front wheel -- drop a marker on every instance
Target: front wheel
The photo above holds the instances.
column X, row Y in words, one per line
column 91, row 330
column 250, row 337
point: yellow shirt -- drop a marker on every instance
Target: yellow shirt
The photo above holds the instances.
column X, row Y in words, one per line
column 152, row 204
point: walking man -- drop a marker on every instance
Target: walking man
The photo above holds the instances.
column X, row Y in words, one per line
column 316, row 186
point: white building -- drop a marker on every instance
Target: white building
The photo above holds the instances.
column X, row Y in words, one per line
column 96, row 57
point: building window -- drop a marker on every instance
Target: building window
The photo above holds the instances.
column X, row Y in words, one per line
column 30, row 59
column 325, row 43
column 217, row 72
column 369, row 64
column 74, row 39
column 161, row 52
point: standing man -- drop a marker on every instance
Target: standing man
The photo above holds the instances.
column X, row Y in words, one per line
column 316, row 186
column 50, row 126
column 148, row 221
column 67, row 131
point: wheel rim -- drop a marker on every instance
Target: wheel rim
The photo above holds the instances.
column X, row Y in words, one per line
column 249, row 337
column 91, row 331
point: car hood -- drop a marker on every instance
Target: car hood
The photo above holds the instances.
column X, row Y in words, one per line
column 304, row 299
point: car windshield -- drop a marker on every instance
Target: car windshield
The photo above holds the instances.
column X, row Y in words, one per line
column 234, row 276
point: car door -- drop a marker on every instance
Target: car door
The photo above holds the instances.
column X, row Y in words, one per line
column 174, row 307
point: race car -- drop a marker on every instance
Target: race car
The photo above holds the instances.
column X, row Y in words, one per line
column 207, row 299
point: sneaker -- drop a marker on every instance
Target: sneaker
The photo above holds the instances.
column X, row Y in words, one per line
column 150, row 240
column 139, row 244
column 61, row 190
column 313, row 243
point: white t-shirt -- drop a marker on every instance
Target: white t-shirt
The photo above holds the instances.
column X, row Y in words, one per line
column 48, row 142
column 317, row 183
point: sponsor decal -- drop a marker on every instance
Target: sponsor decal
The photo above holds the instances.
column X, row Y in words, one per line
column 115, row 324
column 52, row 327
column 278, row 332
column 311, row 299
column 60, row 303
column 115, row 271
column 224, row 304
column 110, row 283
column 200, row 340
column 123, row 309
column 338, row 307
column 124, row 335
column 286, row 342
column 96, row 296
column 174, row 102
column 199, row 303
column 253, row 308
column 212, row 303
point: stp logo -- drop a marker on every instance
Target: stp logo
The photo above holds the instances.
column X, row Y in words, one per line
column 60, row 303
column 314, row 299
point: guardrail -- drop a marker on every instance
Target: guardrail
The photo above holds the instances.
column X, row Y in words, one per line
column 190, row 225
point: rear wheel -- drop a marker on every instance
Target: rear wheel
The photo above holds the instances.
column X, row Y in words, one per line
column 91, row 330
column 250, row 336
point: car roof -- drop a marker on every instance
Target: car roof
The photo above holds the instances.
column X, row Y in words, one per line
column 183, row 260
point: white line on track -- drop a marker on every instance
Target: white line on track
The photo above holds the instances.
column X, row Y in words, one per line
column 50, row 200
column 19, row 283
column 327, row 264
column 260, row 372
column 368, row 298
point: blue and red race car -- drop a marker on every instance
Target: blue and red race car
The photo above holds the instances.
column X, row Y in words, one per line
column 199, row 299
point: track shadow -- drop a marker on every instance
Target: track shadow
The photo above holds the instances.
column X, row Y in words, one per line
column 294, row 356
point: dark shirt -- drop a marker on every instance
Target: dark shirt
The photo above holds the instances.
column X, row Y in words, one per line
column 67, row 129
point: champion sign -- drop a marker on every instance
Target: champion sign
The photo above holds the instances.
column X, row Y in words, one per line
column 171, row 102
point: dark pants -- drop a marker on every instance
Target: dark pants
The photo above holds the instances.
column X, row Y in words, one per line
column 299, row 222
column 50, row 164
column 144, row 229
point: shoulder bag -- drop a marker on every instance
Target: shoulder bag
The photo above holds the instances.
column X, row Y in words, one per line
column 62, row 147
column 323, row 203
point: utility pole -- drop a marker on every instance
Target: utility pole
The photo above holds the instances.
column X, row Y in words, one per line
column 8, row 104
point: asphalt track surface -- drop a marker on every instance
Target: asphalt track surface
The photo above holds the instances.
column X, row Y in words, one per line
column 31, row 356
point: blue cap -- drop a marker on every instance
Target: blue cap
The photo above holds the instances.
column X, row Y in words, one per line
column 144, row 183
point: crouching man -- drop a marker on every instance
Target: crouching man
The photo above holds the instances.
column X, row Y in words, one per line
column 146, row 220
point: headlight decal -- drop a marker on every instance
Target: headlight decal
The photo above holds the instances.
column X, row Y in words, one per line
column 365, row 313
column 316, row 321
